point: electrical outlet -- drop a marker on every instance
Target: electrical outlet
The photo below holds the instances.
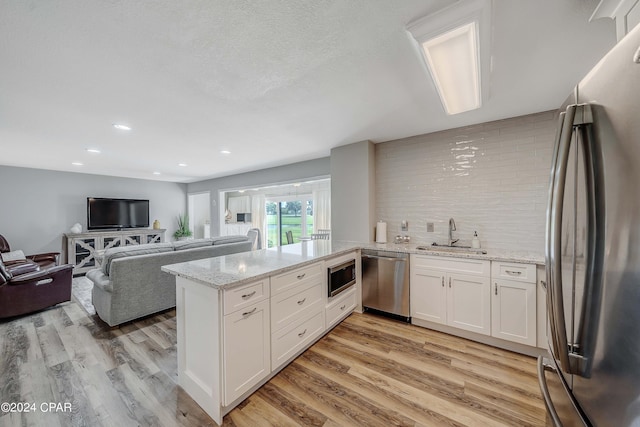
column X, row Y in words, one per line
column 430, row 227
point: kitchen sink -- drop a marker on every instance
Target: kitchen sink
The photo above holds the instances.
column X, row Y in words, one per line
column 455, row 249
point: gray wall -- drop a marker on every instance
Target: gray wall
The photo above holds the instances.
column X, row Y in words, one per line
column 40, row 205
column 353, row 192
column 296, row 171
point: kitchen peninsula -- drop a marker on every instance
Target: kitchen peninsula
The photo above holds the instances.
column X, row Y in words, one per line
column 242, row 317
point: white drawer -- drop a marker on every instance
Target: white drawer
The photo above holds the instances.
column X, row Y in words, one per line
column 513, row 271
column 288, row 280
column 291, row 305
column 456, row 265
column 243, row 296
column 293, row 338
column 342, row 306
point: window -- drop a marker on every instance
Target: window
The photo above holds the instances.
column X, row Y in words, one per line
column 285, row 214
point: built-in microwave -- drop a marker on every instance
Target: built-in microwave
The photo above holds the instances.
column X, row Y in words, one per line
column 243, row 217
column 341, row 277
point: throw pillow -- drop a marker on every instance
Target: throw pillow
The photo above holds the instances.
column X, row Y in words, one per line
column 13, row 256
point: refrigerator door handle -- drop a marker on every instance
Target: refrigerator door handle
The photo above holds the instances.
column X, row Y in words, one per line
column 554, row 242
column 546, row 396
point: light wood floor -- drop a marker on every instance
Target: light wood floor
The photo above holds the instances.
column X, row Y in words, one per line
column 368, row 371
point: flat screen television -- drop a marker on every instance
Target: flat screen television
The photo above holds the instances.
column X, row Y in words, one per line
column 105, row 213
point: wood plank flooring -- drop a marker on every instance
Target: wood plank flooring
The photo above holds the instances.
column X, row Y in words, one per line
column 368, row 371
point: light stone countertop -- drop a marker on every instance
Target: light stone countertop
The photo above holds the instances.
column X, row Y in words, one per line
column 232, row 270
column 522, row 257
column 236, row 269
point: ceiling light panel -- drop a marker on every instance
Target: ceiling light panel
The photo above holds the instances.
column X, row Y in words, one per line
column 454, row 45
column 453, row 60
column 120, row 126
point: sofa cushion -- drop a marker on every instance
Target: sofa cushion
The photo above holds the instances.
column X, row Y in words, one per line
column 126, row 251
column 191, row 243
column 223, row 240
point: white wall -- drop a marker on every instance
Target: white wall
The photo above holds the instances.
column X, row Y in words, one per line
column 353, row 192
column 296, row 171
column 199, row 213
column 40, row 205
column 491, row 177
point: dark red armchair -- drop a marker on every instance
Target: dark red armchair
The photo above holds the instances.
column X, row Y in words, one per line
column 45, row 260
column 25, row 288
column 32, row 284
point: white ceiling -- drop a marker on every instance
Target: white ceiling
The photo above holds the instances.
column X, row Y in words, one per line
column 274, row 82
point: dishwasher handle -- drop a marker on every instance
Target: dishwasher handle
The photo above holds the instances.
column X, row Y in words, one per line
column 385, row 258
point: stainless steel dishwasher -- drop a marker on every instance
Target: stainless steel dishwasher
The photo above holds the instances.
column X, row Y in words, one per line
column 385, row 283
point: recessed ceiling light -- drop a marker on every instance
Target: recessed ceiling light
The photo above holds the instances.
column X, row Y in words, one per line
column 93, row 150
column 241, row 191
column 225, row 152
column 77, row 164
column 120, row 126
column 296, row 184
column 184, row 165
column 156, row 173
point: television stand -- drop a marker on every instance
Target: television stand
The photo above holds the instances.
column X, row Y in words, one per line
column 85, row 250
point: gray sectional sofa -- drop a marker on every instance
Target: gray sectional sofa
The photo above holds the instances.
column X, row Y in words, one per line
column 130, row 284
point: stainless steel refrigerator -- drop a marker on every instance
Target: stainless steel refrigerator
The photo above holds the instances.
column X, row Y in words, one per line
column 593, row 249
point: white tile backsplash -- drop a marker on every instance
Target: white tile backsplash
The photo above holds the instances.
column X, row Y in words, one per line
column 492, row 177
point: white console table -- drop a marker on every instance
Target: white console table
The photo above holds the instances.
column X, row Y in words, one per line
column 84, row 250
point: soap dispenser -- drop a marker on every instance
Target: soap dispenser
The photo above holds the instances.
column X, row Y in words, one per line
column 475, row 242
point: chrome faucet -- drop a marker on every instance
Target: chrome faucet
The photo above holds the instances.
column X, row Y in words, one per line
column 452, row 228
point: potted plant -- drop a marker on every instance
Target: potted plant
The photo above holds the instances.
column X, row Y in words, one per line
column 183, row 232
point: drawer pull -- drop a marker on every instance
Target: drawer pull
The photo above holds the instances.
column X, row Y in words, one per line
column 301, row 334
column 249, row 295
column 496, row 287
column 301, row 276
column 513, row 273
column 343, row 307
column 443, row 281
column 449, row 281
column 302, row 301
column 250, row 312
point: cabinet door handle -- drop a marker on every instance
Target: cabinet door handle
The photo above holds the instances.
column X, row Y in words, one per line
column 513, row 273
column 301, row 276
column 250, row 312
column 301, row 334
column 496, row 288
column 443, row 281
column 249, row 295
column 343, row 307
column 302, row 301
column 449, row 281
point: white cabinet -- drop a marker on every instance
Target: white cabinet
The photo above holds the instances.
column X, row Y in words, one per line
column 451, row 291
column 428, row 295
column 297, row 312
column 513, row 302
column 246, row 338
column 340, row 307
column 468, row 304
column 247, row 343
